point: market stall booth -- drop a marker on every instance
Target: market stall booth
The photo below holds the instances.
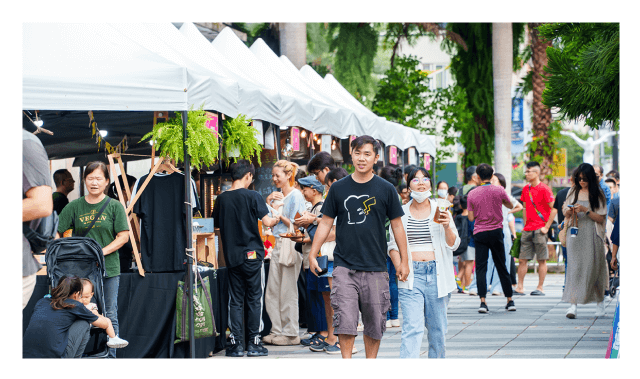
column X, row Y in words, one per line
column 125, row 78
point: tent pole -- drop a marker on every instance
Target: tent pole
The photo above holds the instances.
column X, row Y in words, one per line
column 189, row 250
column 277, row 134
column 433, row 176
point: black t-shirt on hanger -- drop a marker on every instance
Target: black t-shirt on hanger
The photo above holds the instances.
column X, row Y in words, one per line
column 236, row 213
column 162, row 215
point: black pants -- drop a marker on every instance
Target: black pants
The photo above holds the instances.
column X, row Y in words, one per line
column 491, row 240
column 246, row 281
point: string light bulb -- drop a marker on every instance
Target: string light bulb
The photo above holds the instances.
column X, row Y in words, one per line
column 303, row 134
column 38, row 122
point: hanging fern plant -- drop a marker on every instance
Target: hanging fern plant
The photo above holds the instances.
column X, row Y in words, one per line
column 202, row 144
column 240, row 136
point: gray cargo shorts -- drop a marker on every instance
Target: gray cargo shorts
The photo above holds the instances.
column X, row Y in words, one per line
column 364, row 291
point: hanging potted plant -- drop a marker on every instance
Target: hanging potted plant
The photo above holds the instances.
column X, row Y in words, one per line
column 239, row 139
column 202, row 144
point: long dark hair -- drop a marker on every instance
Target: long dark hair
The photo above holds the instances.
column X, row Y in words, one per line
column 67, row 286
column 596, row 197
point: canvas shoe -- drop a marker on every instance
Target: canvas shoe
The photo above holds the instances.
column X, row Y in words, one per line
column 268, row 338
column 285, row 341
column 388, row 324
column 483, row 308
column 117, row 342
column 511, row 306
column 572, row 312
column 395, row 323
column 360, row 327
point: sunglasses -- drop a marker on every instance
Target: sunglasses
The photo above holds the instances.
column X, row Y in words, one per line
column 582, row 179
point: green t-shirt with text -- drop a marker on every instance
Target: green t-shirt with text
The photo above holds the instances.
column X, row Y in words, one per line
column 79, row 214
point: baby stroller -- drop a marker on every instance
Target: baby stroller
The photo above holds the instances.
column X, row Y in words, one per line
column 614, row 282
column 83, row 258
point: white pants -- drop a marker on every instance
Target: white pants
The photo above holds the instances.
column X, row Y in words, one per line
column 281, row 297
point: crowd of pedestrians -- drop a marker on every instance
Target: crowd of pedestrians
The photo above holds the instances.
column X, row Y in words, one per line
column 370, row 246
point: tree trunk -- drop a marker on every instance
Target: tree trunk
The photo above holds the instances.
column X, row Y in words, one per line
column 293, row 42
column 502, row 59
column 541, row 114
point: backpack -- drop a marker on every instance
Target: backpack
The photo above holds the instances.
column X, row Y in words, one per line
column 462, row 225
column 44, row 233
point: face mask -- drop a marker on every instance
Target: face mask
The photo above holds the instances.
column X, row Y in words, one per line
column 442, row 193
column 420, row 196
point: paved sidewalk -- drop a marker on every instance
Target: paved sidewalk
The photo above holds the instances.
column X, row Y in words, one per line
column 538, row 329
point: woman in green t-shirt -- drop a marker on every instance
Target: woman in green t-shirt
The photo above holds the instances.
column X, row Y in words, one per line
column 111, row 231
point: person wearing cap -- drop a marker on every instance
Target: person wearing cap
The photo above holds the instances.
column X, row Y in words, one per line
column 318, row 288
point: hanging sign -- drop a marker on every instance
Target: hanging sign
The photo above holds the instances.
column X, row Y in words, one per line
column 560, row 163
column 257, row 125
column 212, row 122
column 351, row 138
column 411, row 155
column 295, row 138
column 393, row 155
column 326, row 143
column 427, row 161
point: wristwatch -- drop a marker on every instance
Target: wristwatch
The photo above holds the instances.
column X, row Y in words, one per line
column 587, row 213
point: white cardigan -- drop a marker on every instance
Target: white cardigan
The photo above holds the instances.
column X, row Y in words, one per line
column 443, row 252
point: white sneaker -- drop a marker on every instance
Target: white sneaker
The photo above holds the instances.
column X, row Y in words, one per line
column 360, row 328
column 473, row 292
column 572, row 312
column 389, row 324
column 395, row 323
column 117, row 342
column 354, row 350
column 600, row 309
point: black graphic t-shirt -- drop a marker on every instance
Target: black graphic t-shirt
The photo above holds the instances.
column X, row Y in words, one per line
column 361, row 210
column 236, row 213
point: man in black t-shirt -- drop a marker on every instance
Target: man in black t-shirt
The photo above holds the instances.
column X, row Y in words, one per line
column 236, row 214
column 361, row 202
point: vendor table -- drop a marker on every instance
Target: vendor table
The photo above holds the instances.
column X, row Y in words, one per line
column 146, row 314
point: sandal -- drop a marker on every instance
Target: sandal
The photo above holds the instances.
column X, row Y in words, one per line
column 318, row 343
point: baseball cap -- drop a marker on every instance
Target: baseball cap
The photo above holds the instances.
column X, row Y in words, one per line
column 311, row 181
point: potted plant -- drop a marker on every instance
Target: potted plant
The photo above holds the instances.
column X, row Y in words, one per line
column 239, row 139
column 202, row 144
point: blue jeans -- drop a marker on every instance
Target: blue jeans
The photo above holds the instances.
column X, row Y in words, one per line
column 393, row 290
column 111, row 286
column 421, row 307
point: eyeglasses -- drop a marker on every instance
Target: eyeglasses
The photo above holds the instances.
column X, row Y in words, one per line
column 417, row 180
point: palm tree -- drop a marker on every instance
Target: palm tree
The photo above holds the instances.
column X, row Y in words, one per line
column 541, row 114
column 293, row 42
column 502, row 60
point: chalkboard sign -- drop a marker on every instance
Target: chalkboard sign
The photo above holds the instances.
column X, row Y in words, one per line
column 263, row 184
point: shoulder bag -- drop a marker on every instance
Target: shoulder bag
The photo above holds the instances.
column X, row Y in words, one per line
column 563, row 233
column 288, row 254
column 204, row 324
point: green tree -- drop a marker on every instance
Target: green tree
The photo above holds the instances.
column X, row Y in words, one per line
column 355, row 46
column 584, row 68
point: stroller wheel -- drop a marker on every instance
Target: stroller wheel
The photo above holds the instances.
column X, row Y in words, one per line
column 613, row 291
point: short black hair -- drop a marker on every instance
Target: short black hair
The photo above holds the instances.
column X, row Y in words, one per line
column 468, row 173
column 533, row 164
column 390, row 174
column 365, row 140
column 59, row 176
column 501, row 179
column 415, row 171
column 401, row 186
column 614, row 174
column 611, row 180
column 241, row 168
column 408, row 168
column 599, row 168
column 319, row 161
column 452, row 191
column 335, row 174
column 484, row 171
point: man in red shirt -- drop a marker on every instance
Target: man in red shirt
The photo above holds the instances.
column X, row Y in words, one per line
column 539, row 214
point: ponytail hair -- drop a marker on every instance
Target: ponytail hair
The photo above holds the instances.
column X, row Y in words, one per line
column 288, row 167
column 67, row 286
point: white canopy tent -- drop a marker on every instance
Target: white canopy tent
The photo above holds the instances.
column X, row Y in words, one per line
column 94, row 67
column 329, row 118
column 296, row 109
column 391, row 133
column 255, row 100
column 165, row 40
